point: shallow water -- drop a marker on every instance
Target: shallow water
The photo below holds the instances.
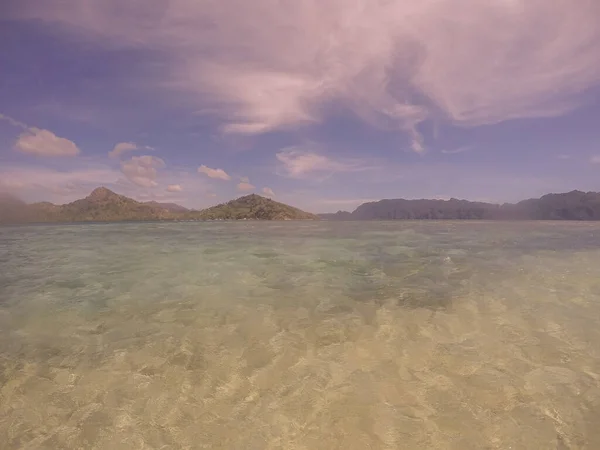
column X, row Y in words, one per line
column 366, row 335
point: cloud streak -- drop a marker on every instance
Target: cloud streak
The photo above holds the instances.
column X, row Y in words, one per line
column 13, row 122
column 394, row 63
column 304, row 162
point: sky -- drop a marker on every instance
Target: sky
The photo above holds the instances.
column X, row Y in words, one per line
column 322, row 104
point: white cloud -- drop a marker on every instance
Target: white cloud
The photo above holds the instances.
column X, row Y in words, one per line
column 142, row 170
column 595, row 159
column 36, row 141
column 121, row 148
column 298, row 162
column 174, row 188
column 214, row 173
column 268, row 191
column 245, row 186
column 394, row 63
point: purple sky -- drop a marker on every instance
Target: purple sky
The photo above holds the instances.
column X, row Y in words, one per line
column 323, row 104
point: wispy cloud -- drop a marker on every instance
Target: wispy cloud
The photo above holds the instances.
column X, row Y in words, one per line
column 302, row 162
column 395, row 63
column 13, row 122
column 214, row 173
column 595, row 159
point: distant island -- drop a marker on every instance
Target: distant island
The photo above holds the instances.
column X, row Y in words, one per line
column 104, row 205
column 574, row 205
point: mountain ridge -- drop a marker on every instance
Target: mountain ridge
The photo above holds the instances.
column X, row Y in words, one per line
column 572, row 205
column 104, row 205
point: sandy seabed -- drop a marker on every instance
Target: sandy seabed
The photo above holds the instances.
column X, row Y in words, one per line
column 365, row 335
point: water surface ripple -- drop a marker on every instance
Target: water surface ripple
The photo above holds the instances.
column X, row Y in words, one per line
column 366, row 335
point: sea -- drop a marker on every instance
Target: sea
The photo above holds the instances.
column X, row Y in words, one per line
column 300, row 335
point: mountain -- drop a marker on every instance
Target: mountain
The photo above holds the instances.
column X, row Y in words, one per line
column 574, row 205
column 103, row 205
column 255, row 207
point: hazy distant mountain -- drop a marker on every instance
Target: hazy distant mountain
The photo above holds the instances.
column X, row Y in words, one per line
column 340, row 215
column 574, row 205
column 103, row 205
column 255, row 207
column 171, row 207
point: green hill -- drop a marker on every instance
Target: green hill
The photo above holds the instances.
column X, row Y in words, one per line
column 103, row 205
column 253, row 207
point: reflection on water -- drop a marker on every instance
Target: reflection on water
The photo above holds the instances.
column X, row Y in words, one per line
column 300, row 336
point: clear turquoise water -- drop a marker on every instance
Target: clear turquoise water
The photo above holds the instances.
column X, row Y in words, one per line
column 367, row 335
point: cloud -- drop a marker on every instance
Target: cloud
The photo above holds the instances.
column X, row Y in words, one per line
column 174, row 188
column 39, row 142
column 121, row 148
column 142, row 170
column 245, row 186
column 298, row 162
column 36, row 141
column 595, row 159
column 268, row 191
column 394, row 63
column 13, row 122
column 214, row 173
